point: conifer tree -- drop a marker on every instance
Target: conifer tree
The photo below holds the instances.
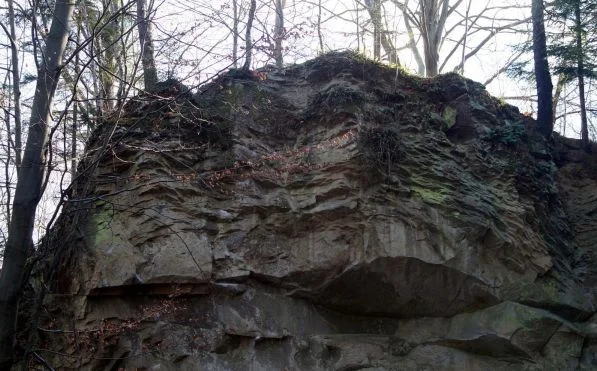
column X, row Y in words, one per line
column 575, row 49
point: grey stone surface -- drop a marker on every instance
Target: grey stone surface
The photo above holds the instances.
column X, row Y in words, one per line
column 334, row 217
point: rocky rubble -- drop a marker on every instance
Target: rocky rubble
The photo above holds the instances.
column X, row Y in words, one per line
column 336, row 215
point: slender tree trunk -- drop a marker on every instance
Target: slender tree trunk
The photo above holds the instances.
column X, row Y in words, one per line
column 122, row 62
column 430, row 23
column 319, row 34
column 412, row 44
column 16, row 85
column 73, row 143
column 376, row 18
column 374, row 9
column 542, row 75
column 460, row 68
column 29, row 184
column 562, row 80
column 108, row 55
column 433, row 16
column 356, row 3
column 98, row 85
column 389, row 48
column 279, row 34
column 93, row 66
column 150, row 75
column 248, row 41
column 235, row 33
column 7, row 179
column 74, row 127
column 380, row 34
column 584, row 127
column 431, row 58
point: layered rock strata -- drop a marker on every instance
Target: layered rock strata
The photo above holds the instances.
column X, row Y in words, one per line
column 336, row 215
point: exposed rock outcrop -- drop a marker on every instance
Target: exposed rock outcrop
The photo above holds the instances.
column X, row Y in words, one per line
column 338, row 215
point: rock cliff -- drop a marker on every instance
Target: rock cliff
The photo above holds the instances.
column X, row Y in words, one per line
column 334, row 215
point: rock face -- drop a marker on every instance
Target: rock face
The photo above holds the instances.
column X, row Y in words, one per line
column 337, row 215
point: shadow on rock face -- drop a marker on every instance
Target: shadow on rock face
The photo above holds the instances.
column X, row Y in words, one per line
column 405, row 287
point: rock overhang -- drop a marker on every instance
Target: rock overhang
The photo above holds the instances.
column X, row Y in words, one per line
column 339, row 184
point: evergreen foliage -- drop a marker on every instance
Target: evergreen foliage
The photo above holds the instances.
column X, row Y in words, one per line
column 563, row 45
column 574, row 48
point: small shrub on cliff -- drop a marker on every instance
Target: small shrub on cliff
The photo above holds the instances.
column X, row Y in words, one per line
column 509, row 134
column 171, row 88
column 381, row 147
column 535, row 178
column 341, row 95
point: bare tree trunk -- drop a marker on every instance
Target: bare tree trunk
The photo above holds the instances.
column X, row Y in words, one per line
column 74, row 128
column 358, row 25
column 122, row 62
column 98, row 85
column 562, row 81
column 431, row 23
column 380, row 34
column 150, row 75
column 16, row 85
column 279, row 34
column 374, row 9
column 412, row 44
column 94, row 65
column 429, row 18
column 460, row 67
column 235, row 33
column 542, row 75
column 29, row 184
column 584, row 127
column 248, row 41
column 73, row 143
column 7, row 170
column 389, row 48
column 319, row 34
column 107, row 55
column 376, row 18
column 431, row 35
